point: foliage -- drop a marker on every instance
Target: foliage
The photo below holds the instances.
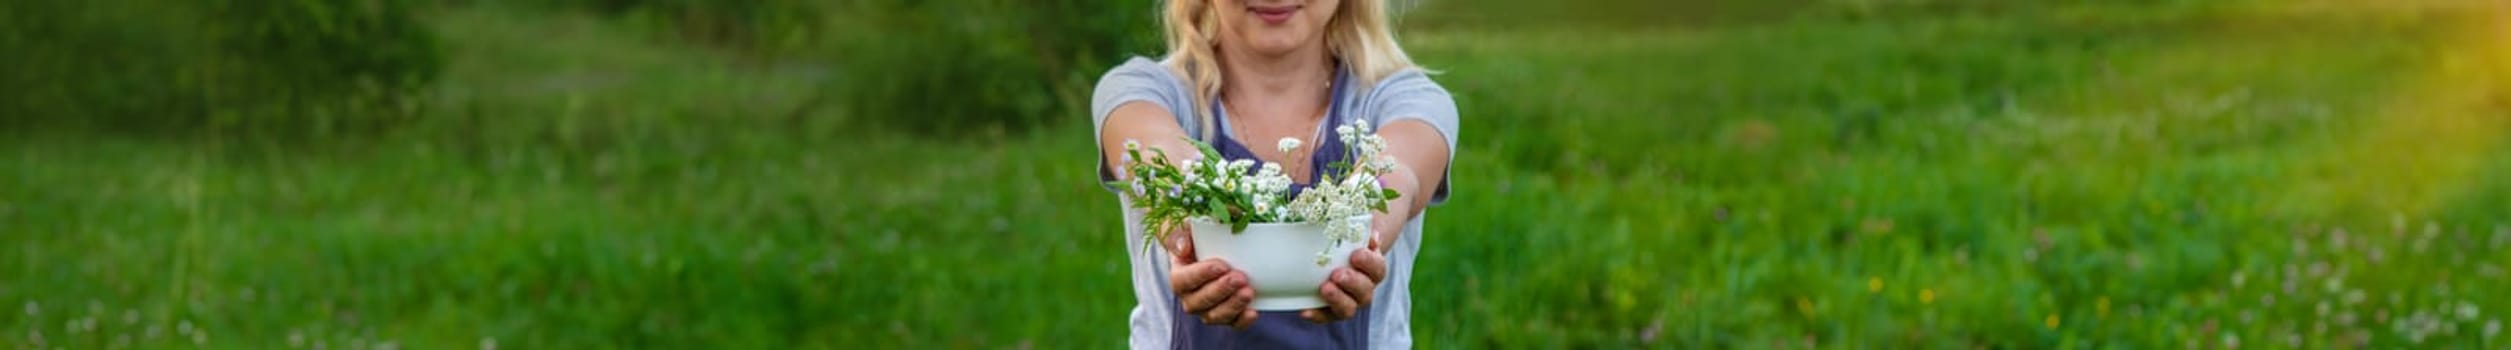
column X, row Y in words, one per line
column 969, row 66
column 2091, row 177
column 249, row 65
column 759, row 26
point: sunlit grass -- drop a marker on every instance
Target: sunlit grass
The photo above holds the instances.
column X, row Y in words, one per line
column 2123, row 176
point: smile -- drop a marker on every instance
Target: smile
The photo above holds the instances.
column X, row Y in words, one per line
column 1274, row 14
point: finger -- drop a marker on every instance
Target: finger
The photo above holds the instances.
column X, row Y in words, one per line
column 1211, row 318
column 1193, row 275
column 1212, row 295
column 1342, row 305
column 1245, row 319
column 1360, row 290
column 1370, row 264
column 1314, row 316
column 1228, row 311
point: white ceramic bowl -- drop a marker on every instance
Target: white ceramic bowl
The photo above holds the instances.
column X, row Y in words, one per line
column 1280, row 260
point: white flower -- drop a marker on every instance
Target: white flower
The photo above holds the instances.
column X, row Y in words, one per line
column 1345, row 130
column 1288, row 144
column 1241, row 165
column 1130, row 144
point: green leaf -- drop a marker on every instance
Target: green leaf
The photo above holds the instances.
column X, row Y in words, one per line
column 1218, row 212
column 1208, row 152
column 1238, row 227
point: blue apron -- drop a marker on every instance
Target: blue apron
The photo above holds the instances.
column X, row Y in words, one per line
column 1278, row 329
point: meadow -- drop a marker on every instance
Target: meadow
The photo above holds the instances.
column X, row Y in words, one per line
column 1816, row 174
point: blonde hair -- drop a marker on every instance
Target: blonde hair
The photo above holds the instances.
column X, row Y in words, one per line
column 1359, row 35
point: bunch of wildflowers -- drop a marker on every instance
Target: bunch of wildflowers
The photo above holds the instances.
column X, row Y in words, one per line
column 1242, row 192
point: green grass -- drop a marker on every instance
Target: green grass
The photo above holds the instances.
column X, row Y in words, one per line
column 2136, row 177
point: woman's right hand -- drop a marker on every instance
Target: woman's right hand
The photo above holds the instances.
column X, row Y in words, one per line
column 1209, row 289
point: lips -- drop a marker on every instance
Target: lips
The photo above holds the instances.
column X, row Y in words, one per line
column 1274, row 14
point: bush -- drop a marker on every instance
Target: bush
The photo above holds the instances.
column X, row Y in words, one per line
column 959, row 66
column 754, row 25
column 1903, row 9
column 326, row 61
column 280, row 65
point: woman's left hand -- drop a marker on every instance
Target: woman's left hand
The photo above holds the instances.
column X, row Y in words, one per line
column 1350, row 288
column 1353, row 287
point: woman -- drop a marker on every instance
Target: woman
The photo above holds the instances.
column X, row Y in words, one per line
column 1240, row 70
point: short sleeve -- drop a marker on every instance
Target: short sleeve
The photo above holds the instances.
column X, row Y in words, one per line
column 1411, row 95
column 1137, row 80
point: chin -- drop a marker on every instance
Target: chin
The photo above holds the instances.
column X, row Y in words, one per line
column 1275, row 46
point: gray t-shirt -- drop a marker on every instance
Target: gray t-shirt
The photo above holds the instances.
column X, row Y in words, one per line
column 1408, row 94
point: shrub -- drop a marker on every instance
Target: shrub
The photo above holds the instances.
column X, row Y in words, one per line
column 240, row 64
column 956, row 66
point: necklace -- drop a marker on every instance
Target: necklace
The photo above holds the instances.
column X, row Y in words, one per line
column 1295, row 161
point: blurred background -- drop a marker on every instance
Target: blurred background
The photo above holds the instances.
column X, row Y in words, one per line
column 918, row 174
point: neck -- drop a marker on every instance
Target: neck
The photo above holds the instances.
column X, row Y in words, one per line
column 1296, row 81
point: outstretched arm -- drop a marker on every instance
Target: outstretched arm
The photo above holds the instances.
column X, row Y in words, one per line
column 1421, row 158
column 1209, row 290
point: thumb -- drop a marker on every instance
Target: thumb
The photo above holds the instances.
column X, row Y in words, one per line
column 1181, row 245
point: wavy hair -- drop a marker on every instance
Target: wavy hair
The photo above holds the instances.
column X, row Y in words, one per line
column 1360, row 35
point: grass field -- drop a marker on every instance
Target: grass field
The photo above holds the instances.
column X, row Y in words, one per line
column 2314, row 174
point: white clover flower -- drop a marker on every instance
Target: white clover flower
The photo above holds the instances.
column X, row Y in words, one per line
column 1288, row 144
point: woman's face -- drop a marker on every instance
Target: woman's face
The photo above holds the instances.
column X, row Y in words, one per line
column 1274, row 27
